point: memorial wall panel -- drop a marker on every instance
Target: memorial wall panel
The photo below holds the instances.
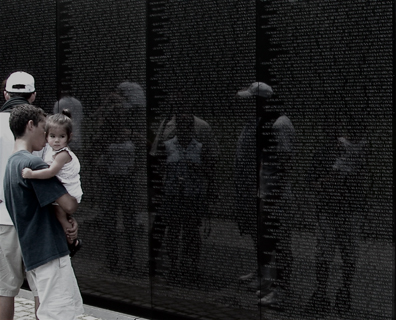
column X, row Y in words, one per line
column 331, row 67
column 200, row 54
column 102, row 79
column 236, row 156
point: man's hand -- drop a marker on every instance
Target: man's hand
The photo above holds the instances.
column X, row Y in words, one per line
column 72, row 233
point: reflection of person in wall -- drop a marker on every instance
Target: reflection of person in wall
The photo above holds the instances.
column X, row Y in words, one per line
column 117, row 165
column 63, row 164
column 133, row 96
column 264, row 150
column 123, row 149
column 188, row 153
column 134, row 102
column 337, row 174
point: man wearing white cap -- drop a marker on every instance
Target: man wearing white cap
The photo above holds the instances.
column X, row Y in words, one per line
column 19, row 89
column 264, row 150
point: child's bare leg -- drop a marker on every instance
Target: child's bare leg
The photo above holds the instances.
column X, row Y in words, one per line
column 64, row 221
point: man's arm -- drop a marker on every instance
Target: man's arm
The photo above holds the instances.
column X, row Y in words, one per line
column 68, row 203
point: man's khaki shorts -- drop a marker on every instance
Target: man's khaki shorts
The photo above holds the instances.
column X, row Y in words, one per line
column 12, row 271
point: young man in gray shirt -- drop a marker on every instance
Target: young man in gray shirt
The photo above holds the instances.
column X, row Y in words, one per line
column 44, row 248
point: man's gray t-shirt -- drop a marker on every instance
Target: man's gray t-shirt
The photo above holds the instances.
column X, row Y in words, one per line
column 28, row 201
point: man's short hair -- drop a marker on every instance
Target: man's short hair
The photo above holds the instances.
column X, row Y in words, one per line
column 21, row 115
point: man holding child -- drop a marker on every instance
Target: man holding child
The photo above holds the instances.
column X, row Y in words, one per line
column 42, row 240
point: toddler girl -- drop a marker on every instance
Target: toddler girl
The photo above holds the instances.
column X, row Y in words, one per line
column 63, row 164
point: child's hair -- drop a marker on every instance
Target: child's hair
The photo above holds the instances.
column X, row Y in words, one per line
column 60, row 119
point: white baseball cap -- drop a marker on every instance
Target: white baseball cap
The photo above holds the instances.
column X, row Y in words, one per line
column 20, row 82
column 256, row 89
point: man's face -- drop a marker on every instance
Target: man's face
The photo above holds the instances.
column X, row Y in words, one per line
column 38, row 137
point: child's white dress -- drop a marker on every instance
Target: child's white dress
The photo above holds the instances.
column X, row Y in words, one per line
column 69, row 175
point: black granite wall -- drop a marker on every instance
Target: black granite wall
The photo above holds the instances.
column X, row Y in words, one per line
column 188, row 187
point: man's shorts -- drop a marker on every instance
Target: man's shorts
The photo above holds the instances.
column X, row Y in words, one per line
column 11, row 266
column 60, row 297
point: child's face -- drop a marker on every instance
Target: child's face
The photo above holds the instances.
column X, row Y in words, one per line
column 57, row 138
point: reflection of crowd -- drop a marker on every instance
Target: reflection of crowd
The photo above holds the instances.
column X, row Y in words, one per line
column 263, row 164
column 184, row 157
column 183, row 160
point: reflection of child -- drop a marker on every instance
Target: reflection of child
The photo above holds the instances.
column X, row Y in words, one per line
column 63, row 164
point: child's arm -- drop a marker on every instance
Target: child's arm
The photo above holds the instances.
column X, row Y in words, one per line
column 60, row 160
